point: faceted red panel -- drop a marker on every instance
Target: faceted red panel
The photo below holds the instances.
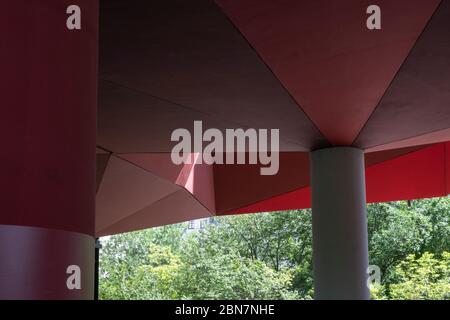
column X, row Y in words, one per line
column 390, row 176
column 416, row 107
column 164, row 64
column 434, row 137
column 416, row 175
column 240, row 185
column 335, row 68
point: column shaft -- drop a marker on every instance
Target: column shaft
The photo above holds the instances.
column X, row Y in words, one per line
column 340, row 248
column 48, row 132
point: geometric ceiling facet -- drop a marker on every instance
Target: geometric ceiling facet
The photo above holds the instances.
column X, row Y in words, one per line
column 420, row 174
column 308, row 68
column 175, row 63
column 125, row 189
column 101, row 163
column 418, row 100
column 159, row 164
column 335, row 68
column 197, row 178
column 429, row 138
column 176, row 207
column 390, row 176
column 241, row 185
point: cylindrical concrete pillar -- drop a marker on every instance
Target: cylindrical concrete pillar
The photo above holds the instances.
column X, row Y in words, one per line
column 340, row 247
column 48, row 63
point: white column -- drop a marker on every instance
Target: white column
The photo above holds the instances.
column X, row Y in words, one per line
column 340, row 247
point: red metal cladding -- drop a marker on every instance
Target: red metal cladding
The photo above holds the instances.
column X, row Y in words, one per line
column 418, row 174
column 48, row 115
column 335, row 68
column 415, row 175
column 166, row 64
column 447, row 165
column 397, row 174
column 415, row 108
column 321, row 51
column 434, row 137
column 298, row 199
column 238, row 185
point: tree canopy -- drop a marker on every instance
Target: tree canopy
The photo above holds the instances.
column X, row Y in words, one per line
column 269, row 256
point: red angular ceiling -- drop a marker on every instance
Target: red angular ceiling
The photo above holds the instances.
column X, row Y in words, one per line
column 310, row 68
column 336, row 69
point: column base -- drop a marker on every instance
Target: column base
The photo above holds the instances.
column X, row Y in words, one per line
column 34, row 263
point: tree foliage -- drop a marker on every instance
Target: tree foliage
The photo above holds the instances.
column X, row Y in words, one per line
column 269, row 256
column 422, row 278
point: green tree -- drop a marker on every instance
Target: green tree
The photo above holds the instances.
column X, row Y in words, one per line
column 397, row 230
column 422, row 278
column 159, row 278
column 437, row 210
column 282, row 240
column 123, row 254
column 268, row 256
column 230, row 276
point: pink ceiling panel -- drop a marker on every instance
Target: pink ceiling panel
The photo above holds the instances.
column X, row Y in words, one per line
column 101, row 163
column 177, row 207
column 159, row 164
column 197, row 178
column 200, row 183
column 126, row 189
